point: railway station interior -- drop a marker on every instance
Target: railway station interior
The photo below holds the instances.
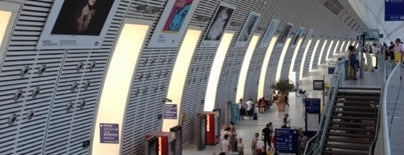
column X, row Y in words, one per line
column 168, row 77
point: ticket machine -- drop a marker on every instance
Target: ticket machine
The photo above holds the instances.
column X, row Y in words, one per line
column 212, row 129
column 160, row 143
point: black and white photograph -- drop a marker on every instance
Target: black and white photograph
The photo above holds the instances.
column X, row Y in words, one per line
column 248, row 29
column 77, row 24
column 284, row 34
column 82, row 17
column 218, row 25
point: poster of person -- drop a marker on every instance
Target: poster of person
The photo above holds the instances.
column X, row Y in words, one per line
column 273, row 25
column 284, row 34
column 248, row 29
column 218, row 25
column 75, row 24
column 299, row 32
column 173, row 23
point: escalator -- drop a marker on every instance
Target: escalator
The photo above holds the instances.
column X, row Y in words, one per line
column 352, row 126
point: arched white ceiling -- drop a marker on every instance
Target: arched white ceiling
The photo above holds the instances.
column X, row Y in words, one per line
column 372, row 14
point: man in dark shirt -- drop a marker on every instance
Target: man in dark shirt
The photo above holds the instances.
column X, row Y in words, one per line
column 267, row 132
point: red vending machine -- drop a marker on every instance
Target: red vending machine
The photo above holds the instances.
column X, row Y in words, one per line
column 212, row 126
column 160, row 143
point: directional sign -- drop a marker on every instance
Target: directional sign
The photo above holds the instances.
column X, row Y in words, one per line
column 394, row 10
column 313, row 105
column 109, row 133
column 286, row 140
column 170, row 111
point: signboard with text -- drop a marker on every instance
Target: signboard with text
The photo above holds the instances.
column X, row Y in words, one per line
column 109, row 133
column 393, row 10
column 313, row 105
column 286, row 140
column 170, row 111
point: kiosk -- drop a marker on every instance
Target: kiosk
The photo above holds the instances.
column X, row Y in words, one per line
column 211, row 131
column 160, row 143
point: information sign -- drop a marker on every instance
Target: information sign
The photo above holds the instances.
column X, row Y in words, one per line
column 170, row 111
column 109, row 133
column 286, row 140
column 313, row 105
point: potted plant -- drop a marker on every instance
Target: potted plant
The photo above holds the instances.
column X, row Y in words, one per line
column 283, row 87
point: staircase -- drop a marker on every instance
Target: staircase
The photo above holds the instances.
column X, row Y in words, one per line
column 353, row 122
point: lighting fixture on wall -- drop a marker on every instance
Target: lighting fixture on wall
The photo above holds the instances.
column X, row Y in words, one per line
column 147, row 9
column 167, row 100
column 202, row 18
column 235, row 24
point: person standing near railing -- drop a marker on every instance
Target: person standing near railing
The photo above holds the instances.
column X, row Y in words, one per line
column 398, row 51
column 353, row 59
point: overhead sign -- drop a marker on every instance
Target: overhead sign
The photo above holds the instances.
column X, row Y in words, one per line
column 109, row 133
column 394, row 10
column 313, row 105
column 286, row 140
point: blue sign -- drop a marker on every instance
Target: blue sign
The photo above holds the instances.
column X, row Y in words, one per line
column 286, row 140
column 170, row 111
column 313, row 105
column 109, row 133
column 393, row 10
column 331, row 70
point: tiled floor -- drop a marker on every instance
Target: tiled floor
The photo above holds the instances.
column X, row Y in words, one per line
column 246, row 128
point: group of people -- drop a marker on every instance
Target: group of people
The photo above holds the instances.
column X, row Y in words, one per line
column 393, row 52
column 230, row 142
column 262, row 142
column 251, row 107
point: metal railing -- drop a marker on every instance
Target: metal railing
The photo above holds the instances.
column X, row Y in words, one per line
column 316, row 143
column 390, row 94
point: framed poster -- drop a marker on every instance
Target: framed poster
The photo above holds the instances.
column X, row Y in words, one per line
column 307, row 38
column 8, row 16
column 218, row 25
column 273, row 25
column 284, row 34
column 75, row 24
column 173, row 23
column 248, row 29
column 299, row 32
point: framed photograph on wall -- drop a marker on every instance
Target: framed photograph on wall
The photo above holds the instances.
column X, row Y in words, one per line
column 218, row 25
column 284, row 34
column 76, row 24
column 307, row 38
column 173, row 23
column 299, row 32
column 8, row 17
column 273, row 25
column 248, row 29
